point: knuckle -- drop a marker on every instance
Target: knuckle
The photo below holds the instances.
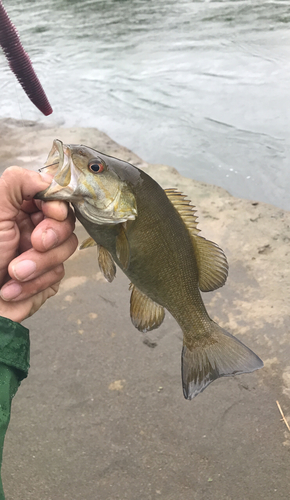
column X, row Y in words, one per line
column 10, row 174
column 55, row 287
column 71, row 216
column 56, row 210
column 59, row 272
column 73, row 240
column 14, row 170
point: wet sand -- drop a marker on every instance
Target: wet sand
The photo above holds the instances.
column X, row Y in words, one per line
column 102, row 415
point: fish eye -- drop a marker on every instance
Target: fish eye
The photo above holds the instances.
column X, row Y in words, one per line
column 96, row 167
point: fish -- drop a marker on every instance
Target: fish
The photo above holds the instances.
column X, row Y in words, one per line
column 151, row 234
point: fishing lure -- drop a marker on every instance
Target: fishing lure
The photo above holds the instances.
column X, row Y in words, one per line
column 20, row 63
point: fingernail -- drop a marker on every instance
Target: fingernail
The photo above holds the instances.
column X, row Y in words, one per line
column 49, row 239
column 24, row 269
column 11, row 291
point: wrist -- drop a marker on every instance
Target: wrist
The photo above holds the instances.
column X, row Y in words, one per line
column 14, row 346
column 14, row 313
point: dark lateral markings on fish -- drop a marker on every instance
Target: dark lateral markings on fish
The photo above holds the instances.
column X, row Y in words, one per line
column 152, row 235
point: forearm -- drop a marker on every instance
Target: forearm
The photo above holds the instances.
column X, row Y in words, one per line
column 14, row 364
column 9, row 383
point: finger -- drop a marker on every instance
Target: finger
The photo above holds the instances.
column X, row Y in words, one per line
column 37, row 218
column 32, row 263
column 40, row 298
column 55, row 209
column 50, row 233
column 26, row 227
column 15, row 291
column 29, row 207
column 19, row 310
column 16, row 185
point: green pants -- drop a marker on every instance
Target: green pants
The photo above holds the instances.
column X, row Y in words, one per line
column 14, row 364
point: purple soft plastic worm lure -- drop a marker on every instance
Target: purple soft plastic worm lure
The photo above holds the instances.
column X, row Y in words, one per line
column 20, row 63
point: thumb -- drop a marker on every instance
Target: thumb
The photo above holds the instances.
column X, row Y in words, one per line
column 16, row 185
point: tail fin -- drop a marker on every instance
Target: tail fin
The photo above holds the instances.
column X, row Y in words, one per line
column 222, row 356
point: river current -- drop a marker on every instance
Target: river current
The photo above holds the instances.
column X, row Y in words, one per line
column 201, row 86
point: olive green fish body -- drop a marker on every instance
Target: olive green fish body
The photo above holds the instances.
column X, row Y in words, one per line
column 152, row 235
column 162, row 260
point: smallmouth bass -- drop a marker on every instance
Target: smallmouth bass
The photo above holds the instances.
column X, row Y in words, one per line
column 152, row 235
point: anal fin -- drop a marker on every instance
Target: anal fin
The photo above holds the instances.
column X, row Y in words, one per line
column 145, row 313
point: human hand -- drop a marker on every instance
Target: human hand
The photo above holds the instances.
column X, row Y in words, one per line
column 35, row 239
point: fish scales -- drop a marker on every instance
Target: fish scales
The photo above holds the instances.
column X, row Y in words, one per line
column 166, row 258
column 162, row 258
column 152, row 235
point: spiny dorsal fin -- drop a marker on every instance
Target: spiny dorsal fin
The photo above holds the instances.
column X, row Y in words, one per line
column 89, row 242
column 211, row 260
column 106, row 264
column 184, row 208
column 145, row 313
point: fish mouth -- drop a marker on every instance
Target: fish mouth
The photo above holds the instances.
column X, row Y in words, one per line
column 101, row 202
column 65, row 175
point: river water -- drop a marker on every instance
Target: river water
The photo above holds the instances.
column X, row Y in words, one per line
column 201, row 86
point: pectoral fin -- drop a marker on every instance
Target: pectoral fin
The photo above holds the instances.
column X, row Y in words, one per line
column 123, row 248
column 105, row 260
column 89, row 242
column 106, row 264
column 145, row 313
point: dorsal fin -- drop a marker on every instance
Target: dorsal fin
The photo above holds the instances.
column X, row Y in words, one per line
column 184, row 208
column 211, row 260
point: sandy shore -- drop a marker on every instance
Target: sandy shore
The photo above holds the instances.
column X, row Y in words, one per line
column 142, row 440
